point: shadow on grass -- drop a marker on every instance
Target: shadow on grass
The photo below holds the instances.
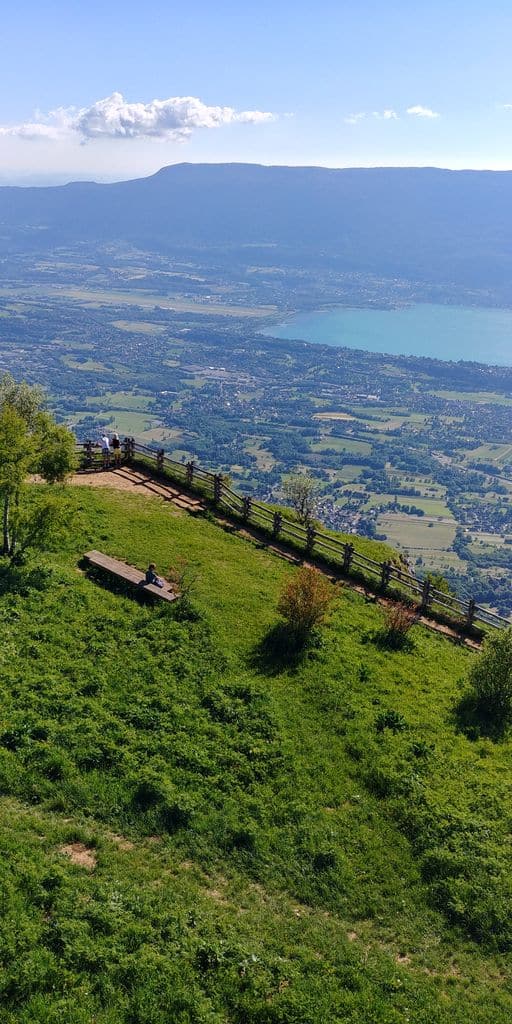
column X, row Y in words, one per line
column 117, row 586
column 477, row 721
column 280, row 650
column 182, row 610
column 391, row 640
column 19, row 579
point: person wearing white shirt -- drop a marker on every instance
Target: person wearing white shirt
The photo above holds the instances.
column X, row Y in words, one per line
column 104, row 444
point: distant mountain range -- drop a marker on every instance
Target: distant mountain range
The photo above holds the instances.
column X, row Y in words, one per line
column 423, row 224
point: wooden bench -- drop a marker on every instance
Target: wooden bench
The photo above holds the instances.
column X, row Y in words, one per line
column 127, row 573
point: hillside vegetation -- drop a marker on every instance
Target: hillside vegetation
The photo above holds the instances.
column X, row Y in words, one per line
column 195, row 831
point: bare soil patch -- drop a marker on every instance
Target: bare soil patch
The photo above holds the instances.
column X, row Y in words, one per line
column 80, row 854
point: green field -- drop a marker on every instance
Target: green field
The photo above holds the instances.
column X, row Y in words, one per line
column 143, row 299
column 347, row 474
column 195, row 830
column 414, row 534
column 137, row 424
column 341, row 444
column 491, row 452
column 483, row 397
column 125, row 400
column 264, row 459
column 138, row 326
column 431, row 506
column 88, row 365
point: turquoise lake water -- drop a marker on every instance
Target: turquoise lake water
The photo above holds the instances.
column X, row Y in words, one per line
column 442, row 332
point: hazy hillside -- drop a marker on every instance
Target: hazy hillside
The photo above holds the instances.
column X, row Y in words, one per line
column 421, row 223
column 194, row 833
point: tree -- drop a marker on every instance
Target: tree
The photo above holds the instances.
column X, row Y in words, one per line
column 30, row 442
column 300, row 490
column 439, row 582
column 304, row 602
column 490, row 680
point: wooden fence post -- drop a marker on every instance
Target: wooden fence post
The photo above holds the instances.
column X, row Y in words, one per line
column 425, row 595
column 190, row 473
column 88, row 453
column 310, row 538
column 277, row 522
column 348, row 552
column 160, row 460
column 470, row 615
column 385, row 575
column 217, row 488
column 246, row 508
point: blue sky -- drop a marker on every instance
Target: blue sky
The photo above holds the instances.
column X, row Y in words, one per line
column 274, row 82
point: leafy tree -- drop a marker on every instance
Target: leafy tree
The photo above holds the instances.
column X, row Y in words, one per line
column 26, row 399
column 30, row 442
column 304, row 602
column 490, row 678
column 57, row 456
column 16, row 457
column 439, row 582
column 300, row 490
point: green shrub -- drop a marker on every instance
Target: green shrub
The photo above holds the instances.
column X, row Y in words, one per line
column 399, row 621
column 487, row 705
column 304, row 602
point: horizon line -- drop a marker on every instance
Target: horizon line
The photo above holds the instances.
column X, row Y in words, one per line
column 60, row 179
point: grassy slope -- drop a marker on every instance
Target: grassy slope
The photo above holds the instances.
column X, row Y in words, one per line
column 263, row 854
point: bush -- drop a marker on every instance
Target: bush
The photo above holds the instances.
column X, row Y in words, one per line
column 304, row 602
column 488, row 703
column 399, row 620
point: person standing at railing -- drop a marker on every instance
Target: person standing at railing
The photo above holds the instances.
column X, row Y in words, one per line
column 116, row 448
column 104, row 444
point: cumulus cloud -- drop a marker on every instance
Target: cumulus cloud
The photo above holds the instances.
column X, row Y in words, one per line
column 114, row 118
column 419, row 111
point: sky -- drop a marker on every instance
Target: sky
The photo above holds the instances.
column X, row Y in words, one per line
column 113, row 91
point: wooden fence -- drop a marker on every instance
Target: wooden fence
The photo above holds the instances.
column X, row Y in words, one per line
column 385, row 576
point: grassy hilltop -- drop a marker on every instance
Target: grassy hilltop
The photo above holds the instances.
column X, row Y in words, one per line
column 193, row 833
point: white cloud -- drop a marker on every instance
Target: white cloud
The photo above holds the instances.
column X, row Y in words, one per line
column 355, row 118
column 419, row 111
column 114, row 118
column 386, row 115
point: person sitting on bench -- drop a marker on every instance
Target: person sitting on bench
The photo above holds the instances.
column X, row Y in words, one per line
column 151, row 576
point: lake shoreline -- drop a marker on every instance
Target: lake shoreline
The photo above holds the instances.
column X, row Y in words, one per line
column 447, row 332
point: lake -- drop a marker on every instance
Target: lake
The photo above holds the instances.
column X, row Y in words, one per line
column 441, row 332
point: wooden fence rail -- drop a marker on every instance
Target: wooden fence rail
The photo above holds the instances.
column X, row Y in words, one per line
column 389, row 577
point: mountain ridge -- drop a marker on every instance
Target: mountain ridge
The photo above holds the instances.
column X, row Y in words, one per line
column 427, row 224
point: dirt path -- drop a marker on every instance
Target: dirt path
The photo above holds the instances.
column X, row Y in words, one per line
column 138, row 482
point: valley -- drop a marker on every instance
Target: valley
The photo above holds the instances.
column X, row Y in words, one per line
column 171, row 350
